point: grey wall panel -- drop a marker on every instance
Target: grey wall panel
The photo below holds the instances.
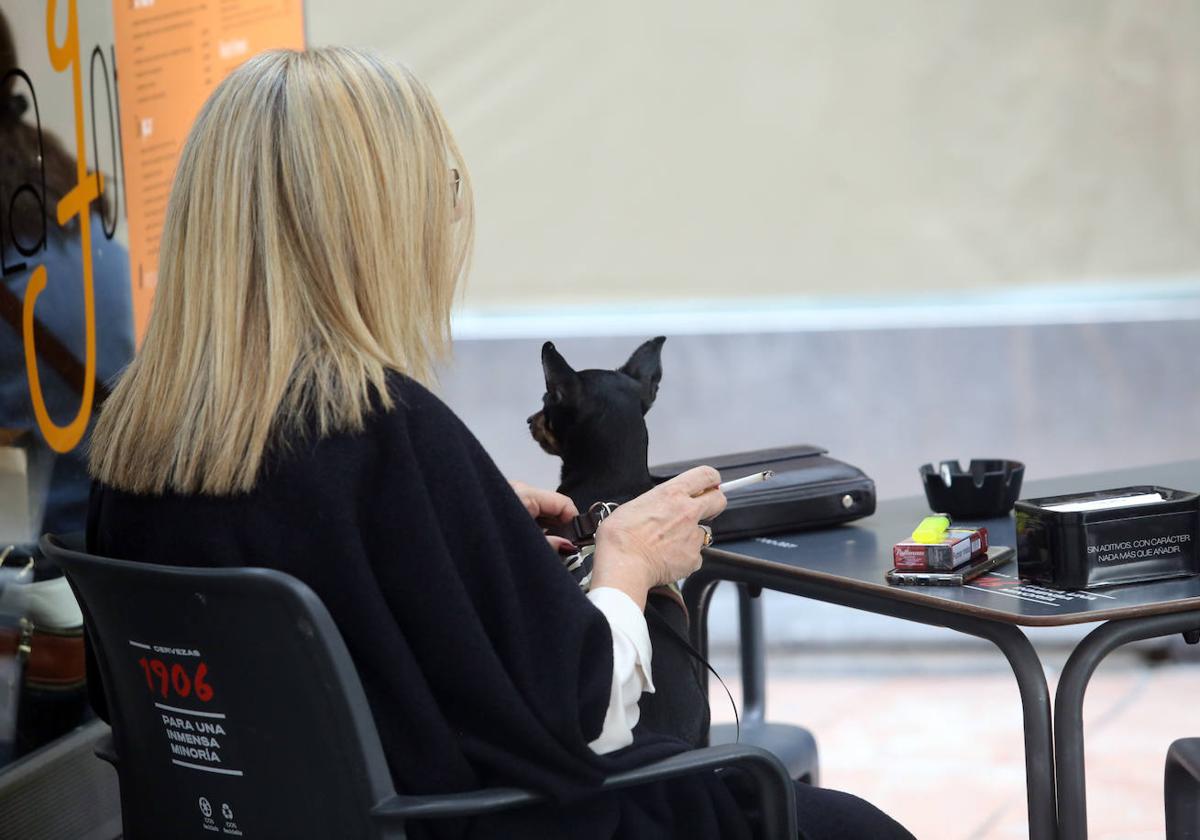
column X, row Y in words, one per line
column 1063, row 398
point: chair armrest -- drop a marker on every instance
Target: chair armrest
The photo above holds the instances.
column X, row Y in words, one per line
column 775, row 788
column 776, row 794
column 1181, row 788
column 105, row 749
column 400, row 807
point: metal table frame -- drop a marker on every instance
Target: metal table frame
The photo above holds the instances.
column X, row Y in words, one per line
column 1015, row 645
column 1054, row 757
column 1054, row 752
column 1068, row 703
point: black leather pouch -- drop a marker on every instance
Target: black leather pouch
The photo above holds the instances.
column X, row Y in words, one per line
column 809, row 490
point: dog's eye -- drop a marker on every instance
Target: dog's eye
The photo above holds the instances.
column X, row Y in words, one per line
column 553, row 397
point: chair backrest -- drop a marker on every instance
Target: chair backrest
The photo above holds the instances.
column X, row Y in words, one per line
column 234, row 704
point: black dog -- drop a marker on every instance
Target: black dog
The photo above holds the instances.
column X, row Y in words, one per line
column 595, row 421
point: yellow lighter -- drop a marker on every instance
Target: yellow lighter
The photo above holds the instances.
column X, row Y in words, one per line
column 932, row 529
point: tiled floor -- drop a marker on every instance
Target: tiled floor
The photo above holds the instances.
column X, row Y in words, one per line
column 934, row 736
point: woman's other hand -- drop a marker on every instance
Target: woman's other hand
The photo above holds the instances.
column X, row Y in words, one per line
column 656, row 538
column 547, row 508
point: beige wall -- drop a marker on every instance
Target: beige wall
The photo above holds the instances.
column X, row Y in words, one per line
column 636, row 149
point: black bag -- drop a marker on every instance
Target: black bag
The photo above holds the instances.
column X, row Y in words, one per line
column 809, row 490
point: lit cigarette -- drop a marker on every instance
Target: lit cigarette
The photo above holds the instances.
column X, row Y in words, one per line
column 726, row 486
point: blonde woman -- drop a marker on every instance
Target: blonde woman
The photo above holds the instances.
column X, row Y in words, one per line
column 320, row 220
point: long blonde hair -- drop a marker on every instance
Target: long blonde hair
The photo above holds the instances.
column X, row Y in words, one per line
column 313, row 241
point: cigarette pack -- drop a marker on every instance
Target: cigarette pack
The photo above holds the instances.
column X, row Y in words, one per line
column 996, row 555
column 959, row 546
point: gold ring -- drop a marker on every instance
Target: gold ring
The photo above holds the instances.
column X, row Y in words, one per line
column 708, row 538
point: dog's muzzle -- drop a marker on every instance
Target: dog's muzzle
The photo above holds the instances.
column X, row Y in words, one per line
column 540, row 430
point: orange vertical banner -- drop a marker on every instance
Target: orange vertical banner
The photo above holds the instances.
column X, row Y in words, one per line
column 170, row 55
column 65, row 56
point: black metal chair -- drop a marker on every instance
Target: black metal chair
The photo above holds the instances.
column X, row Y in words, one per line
column 1181, row 790
column 235, row 708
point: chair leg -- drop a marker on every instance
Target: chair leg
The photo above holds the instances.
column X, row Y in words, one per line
column 1181, row 790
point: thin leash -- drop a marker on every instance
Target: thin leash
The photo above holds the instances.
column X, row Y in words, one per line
column 696, row 655
column 581, row 530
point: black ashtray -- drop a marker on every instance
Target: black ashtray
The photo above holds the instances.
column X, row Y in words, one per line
column 987, row 488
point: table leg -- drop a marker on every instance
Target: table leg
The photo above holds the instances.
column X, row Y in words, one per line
column 1068, row 705
column 1015, row 645
column 753, row 657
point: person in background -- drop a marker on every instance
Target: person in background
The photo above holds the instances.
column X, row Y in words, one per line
column 59, row 481
column 48, row 490
column 278, row 415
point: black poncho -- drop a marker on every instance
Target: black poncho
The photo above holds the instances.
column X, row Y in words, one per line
column 483, row 662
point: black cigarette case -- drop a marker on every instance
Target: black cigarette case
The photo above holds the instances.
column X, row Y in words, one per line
column 1090, row 548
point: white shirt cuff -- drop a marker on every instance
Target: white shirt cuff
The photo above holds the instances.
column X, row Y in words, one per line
column 631, row 667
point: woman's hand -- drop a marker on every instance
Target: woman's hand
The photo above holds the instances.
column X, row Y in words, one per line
column 547, row 508
column 656, row 538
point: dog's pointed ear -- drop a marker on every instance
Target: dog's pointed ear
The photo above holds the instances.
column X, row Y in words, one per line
column 645, row 365
column 562, row 381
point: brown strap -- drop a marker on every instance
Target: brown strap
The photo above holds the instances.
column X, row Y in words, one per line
column 50, row 348
column 581, row 530
column 56, row 659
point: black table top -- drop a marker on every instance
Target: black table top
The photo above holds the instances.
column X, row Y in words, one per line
column 857, row 555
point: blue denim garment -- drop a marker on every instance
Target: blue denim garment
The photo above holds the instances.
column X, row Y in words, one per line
column 60, row 309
